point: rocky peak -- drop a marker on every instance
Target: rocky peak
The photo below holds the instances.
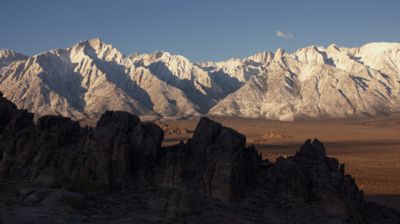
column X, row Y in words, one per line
column 279, row 54
column 164, row 64
column 95, row 43
column 262, row 57
column 9, row 56
column 312, row 55
column 96, row 49
column 6, row 53
column 333, row 47
column 161, row 54
column 312, row 149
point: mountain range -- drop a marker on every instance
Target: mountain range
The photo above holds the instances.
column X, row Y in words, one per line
column 91, row 77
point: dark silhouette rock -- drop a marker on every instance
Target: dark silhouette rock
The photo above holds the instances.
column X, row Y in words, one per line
column 97, row 159
column 317, row 179
column 146, row 140
column 6, row 111
column 204, row 135
column 119, row 171
column 119, row 120
column 312, row 149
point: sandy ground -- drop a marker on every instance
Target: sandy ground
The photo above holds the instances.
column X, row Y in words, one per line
column 370, row 148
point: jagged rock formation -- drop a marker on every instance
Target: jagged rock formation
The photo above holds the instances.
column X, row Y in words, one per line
column 55, row 171
column 91, row 77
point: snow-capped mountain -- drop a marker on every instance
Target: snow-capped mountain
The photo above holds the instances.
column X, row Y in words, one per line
column 178, row 72
column 86, row 79
column 9, row 56
column 319, row 82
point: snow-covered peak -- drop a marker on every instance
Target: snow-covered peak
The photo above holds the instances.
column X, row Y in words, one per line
column 163, row 54
column 262, row 57
column 6, row 53
column 379, row 47
column 279, row 53
column 95, row 48
column 381, row 56
column 333, row 47
column 311, row 55
column 168, row 57
column 230, row 65
column 92, row 76
column 157, row 56
column 178, row 65
column 9, row 56
column 95, row 43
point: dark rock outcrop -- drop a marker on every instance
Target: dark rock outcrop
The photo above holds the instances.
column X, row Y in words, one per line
column 319, row 180
column 215, row 162
column 118, row 172
column 98, row 159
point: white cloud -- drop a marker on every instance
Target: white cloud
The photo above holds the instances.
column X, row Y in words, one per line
column 284, row 35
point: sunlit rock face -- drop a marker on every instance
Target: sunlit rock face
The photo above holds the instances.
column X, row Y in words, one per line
column 90, row 77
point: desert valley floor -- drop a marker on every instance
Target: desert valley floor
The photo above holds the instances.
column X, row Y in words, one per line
column 370, row 148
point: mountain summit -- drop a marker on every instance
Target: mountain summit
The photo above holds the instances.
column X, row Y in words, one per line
column 90, row 77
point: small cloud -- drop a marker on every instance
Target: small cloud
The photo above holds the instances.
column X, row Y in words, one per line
column 284, row 35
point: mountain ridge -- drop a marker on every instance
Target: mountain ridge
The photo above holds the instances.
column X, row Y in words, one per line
column 90, row 77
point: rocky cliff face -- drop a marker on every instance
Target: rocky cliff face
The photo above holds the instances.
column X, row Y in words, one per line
column 55, row 171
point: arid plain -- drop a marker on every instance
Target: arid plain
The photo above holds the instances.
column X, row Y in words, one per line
column 369, row 147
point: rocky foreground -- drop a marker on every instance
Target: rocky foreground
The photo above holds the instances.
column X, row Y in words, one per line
column 55, row 171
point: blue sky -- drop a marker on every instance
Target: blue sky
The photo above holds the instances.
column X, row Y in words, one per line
column 199, row 30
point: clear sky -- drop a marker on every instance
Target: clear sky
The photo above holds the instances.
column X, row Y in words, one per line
column 198, row 29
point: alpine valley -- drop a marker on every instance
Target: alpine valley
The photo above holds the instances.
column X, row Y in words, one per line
column 91, row 77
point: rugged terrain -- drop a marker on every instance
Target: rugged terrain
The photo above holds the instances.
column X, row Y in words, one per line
column 370, row 147
column 55, row 171
column 90, row 77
